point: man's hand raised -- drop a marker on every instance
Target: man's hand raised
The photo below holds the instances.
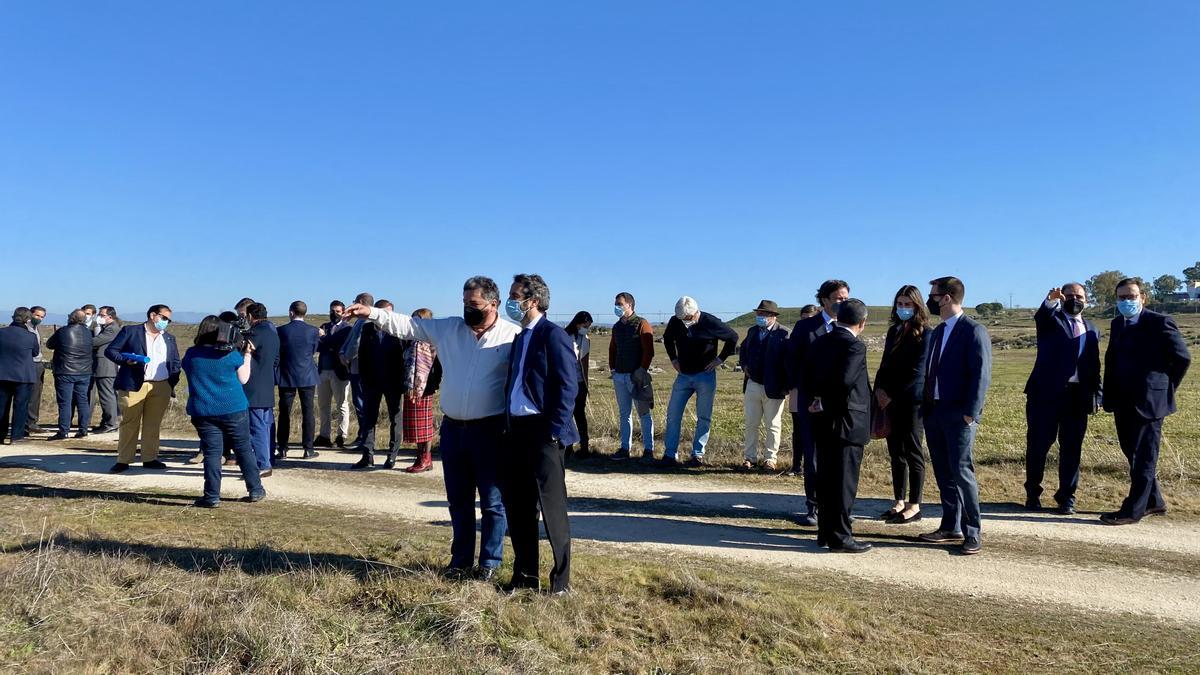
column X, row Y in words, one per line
column 357, row 310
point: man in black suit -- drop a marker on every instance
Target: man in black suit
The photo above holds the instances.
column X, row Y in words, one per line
column 297, row 376
column 18, row 373
column 1143, row 366
column 1062, row 391
column 804, row 454
column 958, row 371
column 540, row 401
column 381, row 374
column 836, row 381
column 260, row 389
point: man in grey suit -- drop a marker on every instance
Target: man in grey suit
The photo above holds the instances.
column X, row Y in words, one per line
column 38, row 314
column 958, row 370
column 104, row 372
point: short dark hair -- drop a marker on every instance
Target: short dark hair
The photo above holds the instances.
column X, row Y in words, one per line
column 89, row 306
column 852, row 312
column 809, row 310
column 37, row 308
column 111, row 312
column 951, row 286
column 830, row 287
column 628, row 298
column 365, row 298
column 22, row 315
column 484, row 285
column 337, row 303
column 156, row 309
column 383, row 303
column 206, row 332
column 256, row 311
column 533, row 287
column 298, row 308
column 1130, row 281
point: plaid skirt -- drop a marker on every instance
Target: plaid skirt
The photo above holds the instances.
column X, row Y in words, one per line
column 418, row 420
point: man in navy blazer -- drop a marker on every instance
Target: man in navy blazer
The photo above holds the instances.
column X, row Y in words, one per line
column 540, row 398
column 830, row 295
column 1062, row 391
column 1144, row 364
column 954, row 384
column 18, row 373
column 145, row 385
column 260, row 389
column 298, row 341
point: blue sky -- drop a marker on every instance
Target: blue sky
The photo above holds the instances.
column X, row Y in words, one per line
column 193, row 153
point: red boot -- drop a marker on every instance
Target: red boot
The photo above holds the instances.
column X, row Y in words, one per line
column 424, row 463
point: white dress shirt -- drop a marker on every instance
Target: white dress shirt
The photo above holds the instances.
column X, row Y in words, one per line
column 474, row 371
column 949, row 326
column 156, row 349
column 519, row 403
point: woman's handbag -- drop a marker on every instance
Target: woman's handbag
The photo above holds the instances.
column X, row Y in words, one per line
column 881, row 422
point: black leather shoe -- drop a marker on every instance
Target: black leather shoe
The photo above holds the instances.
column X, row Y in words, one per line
column 902, row 520
column 521, row 582
column 35, row 429
column 119, row 467
column 619, row 455
column 153, row 464
column 1065, row 509
column 486, row 574
column 939, row 537
column 1033, row 504
column 851, row 546
column 821, row 543
column 457, row 573
column 971, row 546
column 1115, row 518
column 254, row 497
column 1157, row 511
column 694, row 463
column 367, row 462
column 322, row 442
column 104, row 430
column 58, row 437
column 311, row 454
column 807, row 520
column 667, row 463
column 80, row 434
column 205, row 504
column 341, row 442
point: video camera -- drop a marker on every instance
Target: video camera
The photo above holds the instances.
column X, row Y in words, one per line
column 233, row 332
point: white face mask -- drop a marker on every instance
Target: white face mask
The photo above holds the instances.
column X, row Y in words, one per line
column 583, row 330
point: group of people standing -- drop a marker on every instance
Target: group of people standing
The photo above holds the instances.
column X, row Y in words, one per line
column 513, row 397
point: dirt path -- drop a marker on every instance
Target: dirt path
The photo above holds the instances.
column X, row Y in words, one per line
column 720, row 518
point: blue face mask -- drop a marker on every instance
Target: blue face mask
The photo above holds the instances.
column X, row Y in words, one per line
column 1129, row 308
column 513, row 309
column 760, row 321
column 162, row 324
column 619, row 311
column 904, row 313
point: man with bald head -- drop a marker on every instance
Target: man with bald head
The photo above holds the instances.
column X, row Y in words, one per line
column 1061, row 393
column 72, row 365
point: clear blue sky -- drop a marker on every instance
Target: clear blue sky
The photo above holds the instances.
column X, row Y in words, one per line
column 191, row 153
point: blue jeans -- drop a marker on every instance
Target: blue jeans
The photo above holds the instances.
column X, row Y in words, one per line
column 623, row 385
column 68, row 390
column 226, row 431
column 262, row 435
column 470, row 454
column 950, row 442
column 704, row 386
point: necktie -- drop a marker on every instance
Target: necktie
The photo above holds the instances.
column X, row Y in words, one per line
column 1076, row 327
column 934, row 359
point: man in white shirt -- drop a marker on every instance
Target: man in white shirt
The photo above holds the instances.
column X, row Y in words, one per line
column 474, row 351
column 541, row 388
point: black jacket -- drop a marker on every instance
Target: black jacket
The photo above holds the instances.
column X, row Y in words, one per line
column 72, row 345
column 264, row 367
column 766, row 363
column 1143, row 365
column 329, row 349
column 380, row 358
column 1058, row 355
column 803, row 334
column 836, row 372
column 902, row 364
column 696, row 347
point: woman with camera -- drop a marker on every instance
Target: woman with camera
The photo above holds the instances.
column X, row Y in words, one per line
column 216, row 371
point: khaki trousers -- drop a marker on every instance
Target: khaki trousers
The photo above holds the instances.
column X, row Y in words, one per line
column 762, row 411
column 141, row 415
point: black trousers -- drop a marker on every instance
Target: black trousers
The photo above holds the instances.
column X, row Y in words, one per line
column 375, row 393
column 581, row 423
column 1140, row 438
column 1063, row 418
column 532, row 473
column 34, row 409
column 837, row 485
column 14, row 396
column 283, row 425
column 904, row 447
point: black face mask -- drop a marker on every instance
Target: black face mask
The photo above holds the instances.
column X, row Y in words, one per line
column 334, row 318
column 473, row 316
column 1073, row 306
column 934, row 306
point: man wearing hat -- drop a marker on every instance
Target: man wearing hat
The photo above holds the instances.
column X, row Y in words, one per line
column 763, row 356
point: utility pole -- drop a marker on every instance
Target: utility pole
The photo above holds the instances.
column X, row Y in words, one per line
column 1010, row 300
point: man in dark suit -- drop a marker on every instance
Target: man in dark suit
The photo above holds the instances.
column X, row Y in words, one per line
column 298, row 342
column 1143, row 366
column 148, row 371
column 18, row 373
column 1062, row 391
column 260, row 389
column 36, row 316
column 763, row 358
column 333, row 386
column 72, row 366
column 804, row 453
column 836, row 380
column 104, row 372
column 381, row 376
column 958, row 371
column 540, row 400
